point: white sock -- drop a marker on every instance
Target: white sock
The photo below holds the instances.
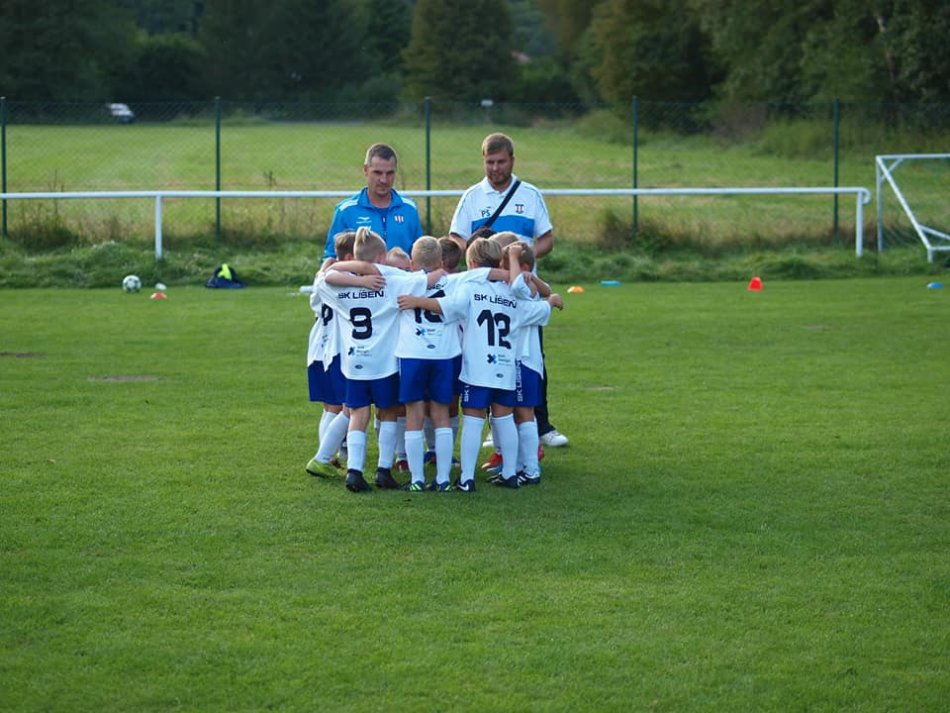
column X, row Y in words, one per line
column 507, row 440
column 415, row 454
column 468, row 448
column 444, row 445
column 325, row 418
column 400, row 438
column 454, row 425
column 528, row 447
column 356, row 455
column 333, row 437
column 387, row 443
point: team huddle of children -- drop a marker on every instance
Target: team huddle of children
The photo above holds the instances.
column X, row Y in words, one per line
column 411, row 332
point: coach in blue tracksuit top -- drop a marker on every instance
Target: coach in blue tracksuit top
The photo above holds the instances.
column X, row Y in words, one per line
column 378, row 206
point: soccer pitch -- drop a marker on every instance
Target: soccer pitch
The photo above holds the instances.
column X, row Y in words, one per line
column 752, row 514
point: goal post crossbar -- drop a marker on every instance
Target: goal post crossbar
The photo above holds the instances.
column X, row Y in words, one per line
column 862, row 198
column 884, row 167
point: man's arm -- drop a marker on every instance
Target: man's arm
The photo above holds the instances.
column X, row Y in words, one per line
column 543, row 244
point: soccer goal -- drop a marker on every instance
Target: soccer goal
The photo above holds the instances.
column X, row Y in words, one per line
column 934, row 240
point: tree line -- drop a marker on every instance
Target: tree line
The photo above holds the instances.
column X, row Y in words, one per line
column 565, row 51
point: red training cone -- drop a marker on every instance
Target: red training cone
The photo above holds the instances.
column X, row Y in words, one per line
column 755, row 284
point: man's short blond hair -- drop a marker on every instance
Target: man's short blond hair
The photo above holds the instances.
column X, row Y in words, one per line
column 494, row 143
column 383, row 151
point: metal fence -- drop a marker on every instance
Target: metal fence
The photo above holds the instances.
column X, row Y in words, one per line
column 240, row 146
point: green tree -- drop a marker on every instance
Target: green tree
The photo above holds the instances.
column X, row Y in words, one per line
column 914, row 49
column 649, row 48
column 63, row 51
column 296, row 48
column 460, row 50
column 167, row 68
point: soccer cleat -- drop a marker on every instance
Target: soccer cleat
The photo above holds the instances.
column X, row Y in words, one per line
column 445, row 487
column 503, row 482
column 321, row 470
column 493, row 461
column 525, row 479
column 355, row 482
column 385, row 479
column 402, row 466
column 413, row 487
column 553, row 439
column 465, row 486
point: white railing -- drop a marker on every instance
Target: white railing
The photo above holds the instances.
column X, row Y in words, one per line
column 862, row 198
column 884, row 167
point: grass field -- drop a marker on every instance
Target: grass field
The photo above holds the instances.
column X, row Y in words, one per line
column 328, row 155
column 752, row 514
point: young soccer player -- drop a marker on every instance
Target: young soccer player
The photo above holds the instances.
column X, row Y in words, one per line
column 530, row 365
column 428, row 367
column 491, row 319
column 368, row 332
column 324, row 376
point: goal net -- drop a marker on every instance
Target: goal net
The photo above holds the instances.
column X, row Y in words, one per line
column 916, row 207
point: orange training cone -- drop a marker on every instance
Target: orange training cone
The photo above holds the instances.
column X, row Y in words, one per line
column 755, row 284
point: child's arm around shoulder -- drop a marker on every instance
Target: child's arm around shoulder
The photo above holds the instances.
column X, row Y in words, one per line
column 355, row 273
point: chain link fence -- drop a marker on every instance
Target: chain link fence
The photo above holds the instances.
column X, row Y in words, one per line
column 225, row 145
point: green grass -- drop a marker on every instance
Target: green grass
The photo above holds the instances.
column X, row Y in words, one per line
column 752, row 514
column 328, row 155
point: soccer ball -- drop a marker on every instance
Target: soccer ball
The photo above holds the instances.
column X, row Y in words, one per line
column 131, row 283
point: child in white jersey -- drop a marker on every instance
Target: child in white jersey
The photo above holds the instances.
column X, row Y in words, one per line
column 325, row 378
column 530, row 365
column 492, row 319
column 369, row 327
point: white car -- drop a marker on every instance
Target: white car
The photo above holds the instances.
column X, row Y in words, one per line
column 121, row 113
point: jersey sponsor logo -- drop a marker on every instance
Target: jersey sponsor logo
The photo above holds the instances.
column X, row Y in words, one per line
column 492, row 358
column 486, row 212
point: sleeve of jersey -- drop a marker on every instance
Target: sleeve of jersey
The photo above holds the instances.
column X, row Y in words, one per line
column 534, row 313
column 316, row 301
column 401, row 282
column 455, row 306
column 520, row 289
column 542, row 221
column 461, row 221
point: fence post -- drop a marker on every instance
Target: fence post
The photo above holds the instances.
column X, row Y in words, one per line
column 635, row 106
column 3, row 158
column 428, row 115
column 837, row 122
column 217, row 168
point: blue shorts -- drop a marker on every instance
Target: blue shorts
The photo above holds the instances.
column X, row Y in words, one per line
column 527, row 387
column 481, row 397
column 458, row 370
column 427, row 380
column 382, row 392
column 326, row 385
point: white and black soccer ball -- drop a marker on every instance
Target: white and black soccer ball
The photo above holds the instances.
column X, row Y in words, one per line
column 131, row 283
